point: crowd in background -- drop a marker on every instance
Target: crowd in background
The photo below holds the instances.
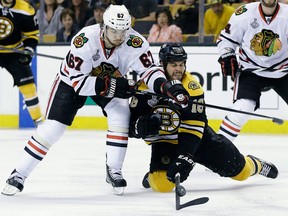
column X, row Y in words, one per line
column 158, row 20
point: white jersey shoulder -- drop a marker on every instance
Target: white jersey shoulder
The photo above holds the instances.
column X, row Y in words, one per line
column 88, row 58
column 262, row 40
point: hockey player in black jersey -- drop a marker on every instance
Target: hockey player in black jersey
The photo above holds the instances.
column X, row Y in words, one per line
column 180, row 136
column 19, row 30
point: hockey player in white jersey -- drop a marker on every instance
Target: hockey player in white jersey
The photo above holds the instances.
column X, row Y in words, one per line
column 98, row 59
column 260, row 30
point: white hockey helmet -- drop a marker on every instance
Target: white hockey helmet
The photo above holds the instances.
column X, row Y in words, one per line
column 117, row 17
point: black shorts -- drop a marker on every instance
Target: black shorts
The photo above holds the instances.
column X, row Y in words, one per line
column 22, row 74
column 214, row 152
column 250, row 86
column 64, row 103
column 219, row 154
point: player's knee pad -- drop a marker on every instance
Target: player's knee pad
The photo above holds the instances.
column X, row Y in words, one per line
column 246, row 105
column 28, row 90
column 118, row 113
column 159, row 182
column 245, row 172
column 49, row 132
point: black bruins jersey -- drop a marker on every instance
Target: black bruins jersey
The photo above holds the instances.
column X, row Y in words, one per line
column 18, row 26
column 185, row 126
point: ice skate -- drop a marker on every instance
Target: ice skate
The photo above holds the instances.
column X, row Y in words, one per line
column 145, row 181
column 14, row 184
column 115, row 178
column 268, row 169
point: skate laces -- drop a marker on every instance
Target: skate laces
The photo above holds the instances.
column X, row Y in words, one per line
column 17, row 177
column 115, row 173
column 265, row 169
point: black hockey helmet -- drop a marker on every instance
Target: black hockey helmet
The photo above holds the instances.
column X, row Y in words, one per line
column 171, row 52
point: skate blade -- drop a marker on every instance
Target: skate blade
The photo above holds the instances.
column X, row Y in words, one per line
column 119, row 191
column 10, row 190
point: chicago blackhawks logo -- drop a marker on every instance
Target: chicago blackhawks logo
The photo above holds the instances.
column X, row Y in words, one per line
column 80, row 40
column 105, row 69
column 240, row 10
column 135, row 41
column 265, row 43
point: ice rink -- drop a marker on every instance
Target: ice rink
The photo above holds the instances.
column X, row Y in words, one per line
column 70, row 181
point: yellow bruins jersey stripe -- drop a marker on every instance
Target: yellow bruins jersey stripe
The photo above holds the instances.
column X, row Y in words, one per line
column 193, row 122
column 22, row 7
column 174, row 142
column 194, row 132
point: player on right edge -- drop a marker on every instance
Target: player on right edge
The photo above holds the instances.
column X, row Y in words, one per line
column 260, row 30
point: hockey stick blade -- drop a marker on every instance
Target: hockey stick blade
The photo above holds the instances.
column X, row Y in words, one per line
column 197, row 201
column 181, row 191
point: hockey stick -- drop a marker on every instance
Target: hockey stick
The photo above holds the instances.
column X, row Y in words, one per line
column 24, row 52
column 180, row 191
column 274, row 119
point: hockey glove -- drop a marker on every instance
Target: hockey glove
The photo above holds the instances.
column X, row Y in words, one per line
column 110, row 87
column 175, row 90
column 27, row 56
column 182, row 165
column 229, row 64
column 146, row 126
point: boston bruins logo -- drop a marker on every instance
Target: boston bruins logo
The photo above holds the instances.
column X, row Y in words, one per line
column 6, row 28
column 170, row 118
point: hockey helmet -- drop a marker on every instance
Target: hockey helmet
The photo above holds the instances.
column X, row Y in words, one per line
column 117, row 17
column 172, row 52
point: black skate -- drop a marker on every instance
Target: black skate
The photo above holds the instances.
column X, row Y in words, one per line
column 268, row 169
column 115, row 178
column 145, row 181
column 14, row 184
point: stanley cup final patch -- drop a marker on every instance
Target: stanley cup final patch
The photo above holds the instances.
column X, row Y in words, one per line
column 80, row 40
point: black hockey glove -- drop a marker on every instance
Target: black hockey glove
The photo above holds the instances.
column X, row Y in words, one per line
column 229, row 64
column 146, row 126
column 27, row 56
column 110, row 87
column 182, row 165
column 175, row 90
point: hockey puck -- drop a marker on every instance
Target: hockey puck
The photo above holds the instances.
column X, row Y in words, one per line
column 181, row 191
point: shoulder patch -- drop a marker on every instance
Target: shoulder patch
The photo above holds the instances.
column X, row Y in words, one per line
column 135, row 41
column 240, row 10
column 80, row 40
column 194, row 85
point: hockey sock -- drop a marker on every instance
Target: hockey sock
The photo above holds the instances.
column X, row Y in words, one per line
column 116, row 146
column 31, row 100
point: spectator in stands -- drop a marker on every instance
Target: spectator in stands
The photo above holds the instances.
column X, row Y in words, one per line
column 141, row 10
column 63, row 3
column 216, row 17
column 164, row 30
column 69, row 29
column 187, row 18
column 98, row 10
column 51, row 17
column 81, row 10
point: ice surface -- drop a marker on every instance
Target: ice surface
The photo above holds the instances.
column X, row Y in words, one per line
column 70, row 181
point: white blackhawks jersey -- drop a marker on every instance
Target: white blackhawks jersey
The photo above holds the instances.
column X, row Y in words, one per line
column 262, row 41
column 88, row 59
